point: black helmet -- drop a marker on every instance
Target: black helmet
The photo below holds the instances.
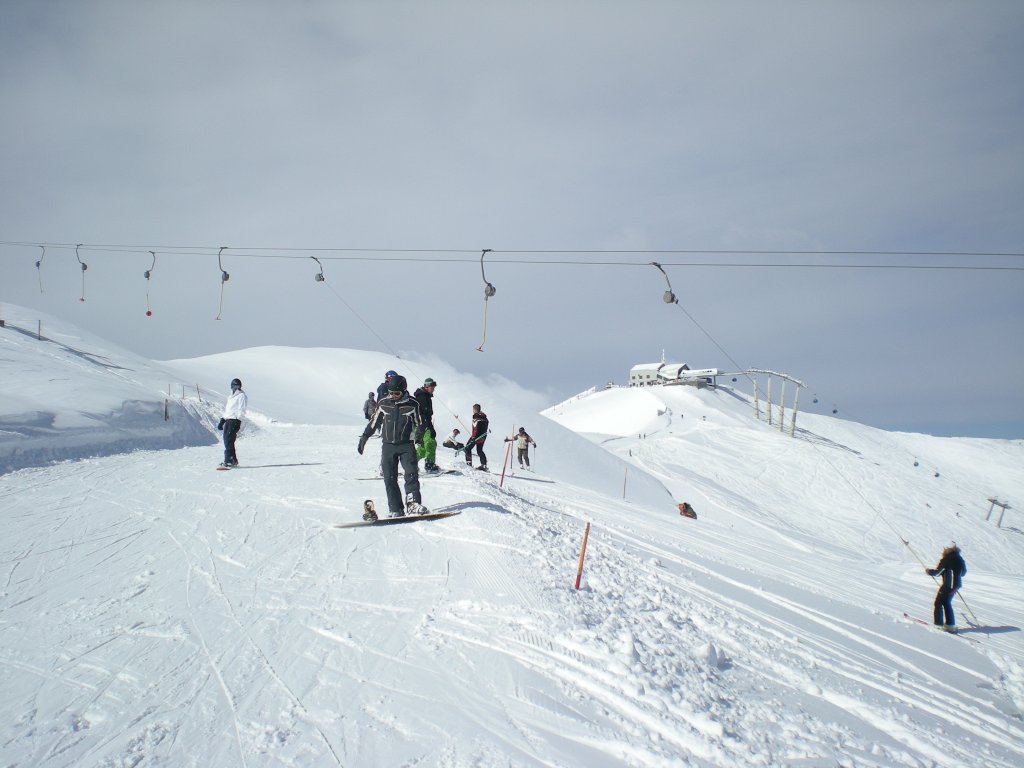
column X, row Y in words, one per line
column 236, row 383
column 396, row 383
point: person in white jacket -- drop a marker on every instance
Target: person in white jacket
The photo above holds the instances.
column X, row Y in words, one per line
column 231, row 421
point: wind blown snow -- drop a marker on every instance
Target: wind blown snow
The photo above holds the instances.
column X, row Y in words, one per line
column 156, row 612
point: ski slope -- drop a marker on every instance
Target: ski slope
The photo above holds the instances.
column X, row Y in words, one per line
column 156, row 612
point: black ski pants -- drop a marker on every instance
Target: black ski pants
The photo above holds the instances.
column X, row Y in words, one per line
column 231, row 427
column 390, row 456
column 944, row 606
column 479, row 452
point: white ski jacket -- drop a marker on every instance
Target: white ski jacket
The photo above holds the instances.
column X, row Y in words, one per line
column 235, row 407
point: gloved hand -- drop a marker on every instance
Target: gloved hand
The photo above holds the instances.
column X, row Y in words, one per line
column 931, row 571
column 220, row 425
column 362, row 444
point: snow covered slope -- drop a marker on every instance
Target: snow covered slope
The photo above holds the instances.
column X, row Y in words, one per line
column 156, row 612
column 68, row 395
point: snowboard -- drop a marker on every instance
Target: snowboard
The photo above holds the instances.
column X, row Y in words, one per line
column 397, row 520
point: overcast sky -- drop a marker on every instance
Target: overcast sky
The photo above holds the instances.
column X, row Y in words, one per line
column 415, row 134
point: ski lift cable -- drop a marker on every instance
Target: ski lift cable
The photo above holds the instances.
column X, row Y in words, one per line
column 669, row 297
column 39, row 267
column 570, row 251
column 319, row 277
column 148, row 275
column 389, row 348
column 876, row 509
column 489, row 290
column 224, row 277
column 84, row 267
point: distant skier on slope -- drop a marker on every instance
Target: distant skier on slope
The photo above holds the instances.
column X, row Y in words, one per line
column 951, row 569
column 477, row 438
column 369, row 406
column 397, row 416
column 231, row 421
column 523, row 442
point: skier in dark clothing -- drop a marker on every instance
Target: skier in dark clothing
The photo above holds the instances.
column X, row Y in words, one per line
column 369, row 406
column 477, row 438
column 426, row 435
column 382, row 388
column 951, row 569
column 397, row 417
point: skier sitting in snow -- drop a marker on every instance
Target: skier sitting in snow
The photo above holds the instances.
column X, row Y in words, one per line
column 952, row 569
column 397, row 417
column 452, row 441
column 523, row 442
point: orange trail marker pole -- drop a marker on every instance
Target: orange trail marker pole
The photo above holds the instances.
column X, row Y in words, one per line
column 505, row 461
column 583, row 553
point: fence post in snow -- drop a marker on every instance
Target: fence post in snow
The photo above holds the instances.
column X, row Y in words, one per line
column 583, row 552
column 769, row 399
column 796, row 402
column 757, row 406
column 782, row 408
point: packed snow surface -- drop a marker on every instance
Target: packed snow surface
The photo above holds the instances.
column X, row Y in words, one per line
column 154, row 611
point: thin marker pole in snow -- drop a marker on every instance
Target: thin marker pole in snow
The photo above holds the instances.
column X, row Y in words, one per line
column 583, row 552
column 504, row 461
column 624, row 476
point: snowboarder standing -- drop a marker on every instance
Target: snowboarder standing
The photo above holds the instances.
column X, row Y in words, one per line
column 951, row 569
column 426, row 435
column 369, row 406
column 477, row 438
column 231, row 421
column 397, row 416
column 523, row 442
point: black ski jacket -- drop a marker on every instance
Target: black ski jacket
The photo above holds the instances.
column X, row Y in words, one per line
column 397, row 420
column 952, row 569
column 426, row 403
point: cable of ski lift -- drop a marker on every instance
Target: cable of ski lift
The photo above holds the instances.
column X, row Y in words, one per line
column 84, row 267
column 39, row 267
column 148, row 274
column 489, row 291
column 224, row 277
column 669, row 297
